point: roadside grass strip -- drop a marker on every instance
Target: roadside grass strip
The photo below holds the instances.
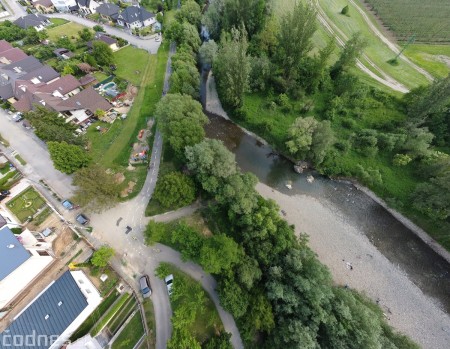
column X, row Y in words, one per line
column 109, row 315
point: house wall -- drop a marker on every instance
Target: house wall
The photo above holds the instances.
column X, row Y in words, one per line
column 114, row 47
column 149, row 22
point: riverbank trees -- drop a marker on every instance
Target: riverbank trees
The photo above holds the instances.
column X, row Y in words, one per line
column 385, row 141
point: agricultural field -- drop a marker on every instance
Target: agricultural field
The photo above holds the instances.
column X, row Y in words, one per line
column 26, row 204
column 434, row 58
column 427, row 19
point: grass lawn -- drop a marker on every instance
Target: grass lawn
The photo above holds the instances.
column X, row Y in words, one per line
column 7, row 181
column 376, row 50
column 42, row 216
column 86, row 326
column 5, row 169
column 131, row 334
column 110, row 314
column 26, row 204
column 121, row 316
column 151, row 324
column 131, row 64
column 100, row 76
column 69, row 29
column 58, row 21
column 431, row 58
column 207, row 322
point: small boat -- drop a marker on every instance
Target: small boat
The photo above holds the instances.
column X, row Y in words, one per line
column 289, row 185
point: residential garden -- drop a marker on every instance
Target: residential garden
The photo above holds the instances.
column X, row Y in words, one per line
column 26, row 204
column 8, row 175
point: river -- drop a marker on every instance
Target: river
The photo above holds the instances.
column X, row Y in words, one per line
column 423, row 266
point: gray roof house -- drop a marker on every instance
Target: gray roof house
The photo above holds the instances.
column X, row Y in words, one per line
column 108, row 11
column 37, row 21
column 12, row 252
column 135, row 17
column 57, row 311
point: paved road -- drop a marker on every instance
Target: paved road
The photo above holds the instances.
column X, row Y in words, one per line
column 34, row 152
column 14, row 8
column 149, row 45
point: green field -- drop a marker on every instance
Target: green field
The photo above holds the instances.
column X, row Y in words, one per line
column 26, row 204
column 58, row 21
column 131, row 334
column 69, row 29
column 434, row 58
column 376, row 50
column 131, row 63
column 427, row 19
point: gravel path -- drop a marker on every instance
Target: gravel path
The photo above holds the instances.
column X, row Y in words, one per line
column 337, row 243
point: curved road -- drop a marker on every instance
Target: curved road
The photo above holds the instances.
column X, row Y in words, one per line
column 133, row 257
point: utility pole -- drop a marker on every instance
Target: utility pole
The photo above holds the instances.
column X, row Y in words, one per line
column 411, row 40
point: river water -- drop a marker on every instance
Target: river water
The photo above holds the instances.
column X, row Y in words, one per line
column 424, row 267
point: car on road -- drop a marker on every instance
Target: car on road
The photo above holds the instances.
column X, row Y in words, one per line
column 128, row 229
column 5, row 192
column 82, row 219
column 169, row 283
column 68, row 205
column 158, row 38
column 18, row 117
column 144, row 285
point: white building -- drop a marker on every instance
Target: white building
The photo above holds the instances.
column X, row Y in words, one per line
column 64, row 5
column 22, row 259
column 135, row 17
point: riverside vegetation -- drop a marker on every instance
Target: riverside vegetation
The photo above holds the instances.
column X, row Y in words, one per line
column 270, row 280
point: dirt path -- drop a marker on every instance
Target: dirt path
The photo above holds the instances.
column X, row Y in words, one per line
column 393, row 47
column 341, row 38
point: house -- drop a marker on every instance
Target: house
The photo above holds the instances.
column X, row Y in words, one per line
column 64, row 5
column 63, row 53
column 22, row 259
column 44, row 6
column 87, row 6
column 88, row 80
column 135, row 17
column 111, row 42
column 36, row 21
column 85, row 67
column 108, row 11
column 11, row 56
column 54, row 315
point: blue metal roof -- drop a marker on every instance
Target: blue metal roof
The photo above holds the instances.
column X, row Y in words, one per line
column 63, row 302
column 12, row 253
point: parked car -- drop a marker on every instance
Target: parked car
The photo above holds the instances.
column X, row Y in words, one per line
column 128, row 229
column 169, row 283
column 144, row 285
column 82, row 219
column 18, row 117
column 68, row 205
column 5, row 192
column 158, row 38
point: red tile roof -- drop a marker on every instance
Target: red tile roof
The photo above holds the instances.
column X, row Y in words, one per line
column 12, row 55
column 63, row 85
column 86, row 99
column 5, row 45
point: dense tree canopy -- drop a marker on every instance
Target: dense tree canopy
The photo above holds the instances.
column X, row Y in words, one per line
column 181, row 120
column 174, row 190
column 101, row 257
column 102, row 53
column 67, row 158
column 97, row 190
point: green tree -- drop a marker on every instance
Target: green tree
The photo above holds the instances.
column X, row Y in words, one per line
column 64, row 42
column 433, row 198
column 32, row 37
column 401, row 160
column 101, row 257
column 188, row 241
column 185, row 79
column 154, row 232
column 181, row 120
column 352, row 50
column 175, row 190
column 418, row 142
column 190, row 12
column 238, row 193
column 232, row 68
column 67, row 158
column 97, row 190
column 98, row 28
column 190, row 36
column 345, row 10
column 68, row 70
column 49, row 127
column 250, row 13
column 211, row 162
column 219, row 253
column 222, row 341
column 208, row 52
column 85, row 34
column 102, row 53
column 310, row 139
column 295, row 38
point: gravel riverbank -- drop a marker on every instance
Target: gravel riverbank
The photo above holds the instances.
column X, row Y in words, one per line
column 338, row 245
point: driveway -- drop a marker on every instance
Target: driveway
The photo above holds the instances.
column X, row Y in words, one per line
column 149, row 45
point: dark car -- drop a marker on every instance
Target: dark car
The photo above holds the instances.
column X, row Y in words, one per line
column 144, row 285
column 128, row 229
column 82, row 219
column 5, row 192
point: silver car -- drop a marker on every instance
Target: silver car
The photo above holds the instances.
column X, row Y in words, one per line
column 144, row 285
